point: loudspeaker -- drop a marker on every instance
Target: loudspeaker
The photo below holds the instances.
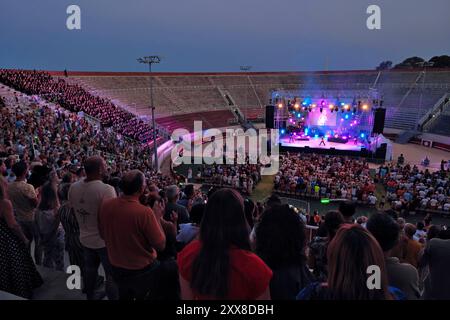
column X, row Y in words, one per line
column 380, row 153
column 270, row 113
column 378, row 123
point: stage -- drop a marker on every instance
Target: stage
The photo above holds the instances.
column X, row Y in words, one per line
column 315, row 143
column 333, row 148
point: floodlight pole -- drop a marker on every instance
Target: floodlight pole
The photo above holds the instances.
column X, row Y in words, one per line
column 151, row 60
column 424, row 65
column 245, row 69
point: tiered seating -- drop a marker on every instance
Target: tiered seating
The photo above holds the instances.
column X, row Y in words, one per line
column 441, row 125
column 254, row 113
column 176, row 94
column 211, row 119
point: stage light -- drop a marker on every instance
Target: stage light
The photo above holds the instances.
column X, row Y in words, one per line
column 298, row 115
column 282, row 131
column 342, row 104
column 336, row 135
column 365, row 107
column 316, row 136
column 331, row 106
column 304, row 103
column 306, row 131
column 346, row 117
column 346, row 107
column 344, row 137
column 314, row 105
column 296, row 106
column 362, row 135
column 280, row 105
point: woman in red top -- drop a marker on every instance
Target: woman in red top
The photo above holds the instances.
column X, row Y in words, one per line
column 220, row 265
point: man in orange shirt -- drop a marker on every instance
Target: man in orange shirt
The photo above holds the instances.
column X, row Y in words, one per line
column 133, row 234
column 409, row 250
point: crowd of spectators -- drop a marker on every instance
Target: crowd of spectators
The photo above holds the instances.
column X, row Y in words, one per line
column 183, row 244
column 410, row 189
column 243, row 177
column 325, row 176
column 76, row 99
column 68, row 186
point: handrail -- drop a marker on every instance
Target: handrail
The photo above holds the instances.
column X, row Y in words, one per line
column 427, row 120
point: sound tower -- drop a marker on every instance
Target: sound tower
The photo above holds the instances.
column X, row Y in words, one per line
column 378, row 123
column 270, row 113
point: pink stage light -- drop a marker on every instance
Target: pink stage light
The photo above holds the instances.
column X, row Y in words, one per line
column 336, row 135
column 344, row 137
column 342, row 119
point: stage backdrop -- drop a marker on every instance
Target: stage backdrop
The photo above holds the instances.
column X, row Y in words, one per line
column 324, row 118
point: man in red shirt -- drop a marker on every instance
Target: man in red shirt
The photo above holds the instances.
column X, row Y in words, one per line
column 133, row 233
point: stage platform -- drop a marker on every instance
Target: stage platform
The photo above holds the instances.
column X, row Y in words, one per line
column 313, row 146
column 315, row 143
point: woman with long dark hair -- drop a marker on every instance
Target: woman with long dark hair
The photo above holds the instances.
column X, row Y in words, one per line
column 50, row 229
column 220, row 265
column 71, row 228
column 280, row 242
column 350, row 254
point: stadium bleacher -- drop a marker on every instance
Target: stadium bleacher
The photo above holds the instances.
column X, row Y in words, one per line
column 408, row 95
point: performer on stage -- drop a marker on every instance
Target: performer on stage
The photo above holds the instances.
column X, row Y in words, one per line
column 322, row 142
column 291, row 136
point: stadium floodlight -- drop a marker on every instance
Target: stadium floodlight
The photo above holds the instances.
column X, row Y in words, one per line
column 151, row 60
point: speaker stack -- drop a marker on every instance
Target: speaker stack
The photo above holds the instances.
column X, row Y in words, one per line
column 270, row 113
column 380, row 117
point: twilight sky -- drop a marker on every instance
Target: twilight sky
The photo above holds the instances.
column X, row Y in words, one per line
column 220, row 35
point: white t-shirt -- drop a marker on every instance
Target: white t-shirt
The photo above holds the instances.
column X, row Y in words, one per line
column 86, row 198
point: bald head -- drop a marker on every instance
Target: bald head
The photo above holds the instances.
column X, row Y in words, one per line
column 94, row 167
column 133, row 183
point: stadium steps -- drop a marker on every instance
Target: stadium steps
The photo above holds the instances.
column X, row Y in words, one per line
column 55, row 287
column 442, row 125
column 406, row 136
